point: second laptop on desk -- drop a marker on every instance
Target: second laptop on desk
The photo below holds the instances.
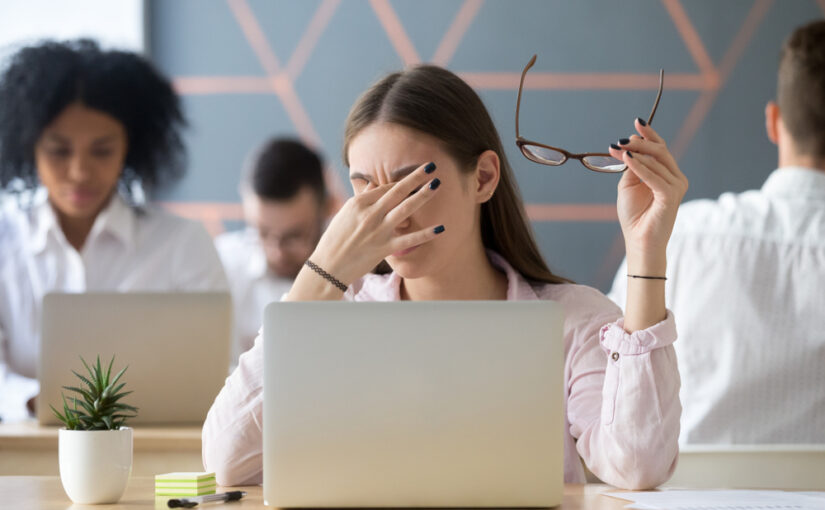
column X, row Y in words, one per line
column 176, row 345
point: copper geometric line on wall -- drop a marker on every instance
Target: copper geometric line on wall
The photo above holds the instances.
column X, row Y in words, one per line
column 280, row 79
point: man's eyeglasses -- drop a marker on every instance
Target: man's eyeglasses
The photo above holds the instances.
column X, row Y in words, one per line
column 555, row 156
column 297, row 240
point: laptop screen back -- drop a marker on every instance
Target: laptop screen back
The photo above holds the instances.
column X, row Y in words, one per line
column 413, row 404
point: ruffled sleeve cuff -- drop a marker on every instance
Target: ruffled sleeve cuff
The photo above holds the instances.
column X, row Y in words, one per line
column 614, row 338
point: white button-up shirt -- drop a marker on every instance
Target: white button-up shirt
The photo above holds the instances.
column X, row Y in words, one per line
column 127, row 250
column 746, row 282
column 251, row 283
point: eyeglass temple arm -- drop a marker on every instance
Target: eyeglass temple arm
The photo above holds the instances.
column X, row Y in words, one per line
column 658, row 96
column 533, row 61
column 520, row 86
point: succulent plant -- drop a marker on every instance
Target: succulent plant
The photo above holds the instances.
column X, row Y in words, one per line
column 96, row 403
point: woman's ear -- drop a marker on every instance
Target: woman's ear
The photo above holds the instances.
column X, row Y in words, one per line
column 772, row 122
column 487, row 175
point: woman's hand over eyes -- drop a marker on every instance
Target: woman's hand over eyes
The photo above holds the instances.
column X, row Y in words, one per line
column 363, row 232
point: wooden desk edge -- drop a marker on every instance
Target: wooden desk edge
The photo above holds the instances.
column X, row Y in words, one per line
column 48, row 492
column 30, row 435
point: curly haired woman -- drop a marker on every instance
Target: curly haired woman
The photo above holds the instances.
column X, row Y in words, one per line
column 84, row 135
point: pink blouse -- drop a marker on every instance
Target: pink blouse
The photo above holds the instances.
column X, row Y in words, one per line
column 622, row 407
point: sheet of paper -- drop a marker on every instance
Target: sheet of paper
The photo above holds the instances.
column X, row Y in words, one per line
column 820, row 496
column 723, row 500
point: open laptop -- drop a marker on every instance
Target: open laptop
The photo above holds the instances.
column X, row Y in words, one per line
column 175, row 344
column 413, row 404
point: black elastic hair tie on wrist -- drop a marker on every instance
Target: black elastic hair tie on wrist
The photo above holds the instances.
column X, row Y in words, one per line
column 647, row 277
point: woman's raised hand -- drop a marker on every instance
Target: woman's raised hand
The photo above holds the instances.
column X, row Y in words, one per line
column 649, row 195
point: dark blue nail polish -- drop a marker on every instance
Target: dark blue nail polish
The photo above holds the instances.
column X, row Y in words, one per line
column 641, row 122
column 435, row 184
column 430, row 168
column 439, row 229
column 615, row 147
column 629, row 154
column 624, row 141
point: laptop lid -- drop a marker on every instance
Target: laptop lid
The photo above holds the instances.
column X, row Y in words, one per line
column 175, row 344
column 451, row 404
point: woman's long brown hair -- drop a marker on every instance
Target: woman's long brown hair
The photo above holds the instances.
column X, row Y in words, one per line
column 434, row 101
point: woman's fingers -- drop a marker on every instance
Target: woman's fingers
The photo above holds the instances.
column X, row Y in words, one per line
column 652, row 144
column 403, row 188
column 654, row 166
column 372, row 193
column 413, row 203
column 648, row 132
column 639, row 164
column 650, row 162
column 629, row 178
column 637, row 144
column 413, row 239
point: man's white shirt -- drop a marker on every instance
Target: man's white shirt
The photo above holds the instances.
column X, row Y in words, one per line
column 127, row 250
column 251, row 283
column 746, row 284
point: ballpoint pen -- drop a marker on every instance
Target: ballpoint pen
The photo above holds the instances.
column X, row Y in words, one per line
column 210, row 498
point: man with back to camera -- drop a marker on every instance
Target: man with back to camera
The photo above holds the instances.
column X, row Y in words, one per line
column 746, row 280
column 285, row 205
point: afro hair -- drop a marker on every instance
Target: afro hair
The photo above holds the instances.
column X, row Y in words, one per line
column 42, row 80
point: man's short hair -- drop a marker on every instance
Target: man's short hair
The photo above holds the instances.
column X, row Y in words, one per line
column 281, row 167
column 801, row 88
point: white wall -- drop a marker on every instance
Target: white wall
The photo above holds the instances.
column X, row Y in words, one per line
column 114, row 23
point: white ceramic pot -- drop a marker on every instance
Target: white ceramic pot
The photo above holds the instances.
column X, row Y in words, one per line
column 95, row 464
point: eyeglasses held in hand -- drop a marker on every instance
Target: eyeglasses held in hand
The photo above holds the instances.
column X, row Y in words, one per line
column 555, row 156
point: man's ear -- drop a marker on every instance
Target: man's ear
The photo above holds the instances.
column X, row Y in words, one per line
column 330, row 206
column 487, row 175
column 772, row 119
column 251, row 206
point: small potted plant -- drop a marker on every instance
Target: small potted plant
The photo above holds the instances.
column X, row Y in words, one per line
column 95, row 448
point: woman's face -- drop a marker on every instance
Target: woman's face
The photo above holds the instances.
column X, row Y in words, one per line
column 378, row 153
column 79, row 158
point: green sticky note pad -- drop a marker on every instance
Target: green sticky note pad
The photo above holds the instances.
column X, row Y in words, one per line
column 185, row 484
column 185, row 492
column 187, row 477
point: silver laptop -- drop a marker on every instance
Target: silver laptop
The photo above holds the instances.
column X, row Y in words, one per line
column 175, row 344
column 424, row 404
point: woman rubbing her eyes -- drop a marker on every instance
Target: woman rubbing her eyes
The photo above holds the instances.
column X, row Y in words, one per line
column 434, row 196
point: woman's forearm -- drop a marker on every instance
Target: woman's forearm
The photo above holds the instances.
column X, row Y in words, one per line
column 648, row 198
column 645, row 302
